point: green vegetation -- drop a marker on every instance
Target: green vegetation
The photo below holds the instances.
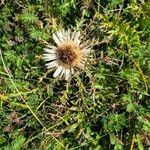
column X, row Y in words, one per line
column 105, row 107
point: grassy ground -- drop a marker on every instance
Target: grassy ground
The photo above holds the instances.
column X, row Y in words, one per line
column 105, row 107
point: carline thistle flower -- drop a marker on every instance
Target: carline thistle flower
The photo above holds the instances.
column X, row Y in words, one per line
column 68, row 56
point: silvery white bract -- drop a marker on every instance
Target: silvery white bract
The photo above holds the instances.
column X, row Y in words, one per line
column 69, row 55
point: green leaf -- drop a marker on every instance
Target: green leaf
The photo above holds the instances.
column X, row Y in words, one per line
column 130, row 108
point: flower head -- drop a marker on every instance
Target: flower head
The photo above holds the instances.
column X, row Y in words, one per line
column 68, row 56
